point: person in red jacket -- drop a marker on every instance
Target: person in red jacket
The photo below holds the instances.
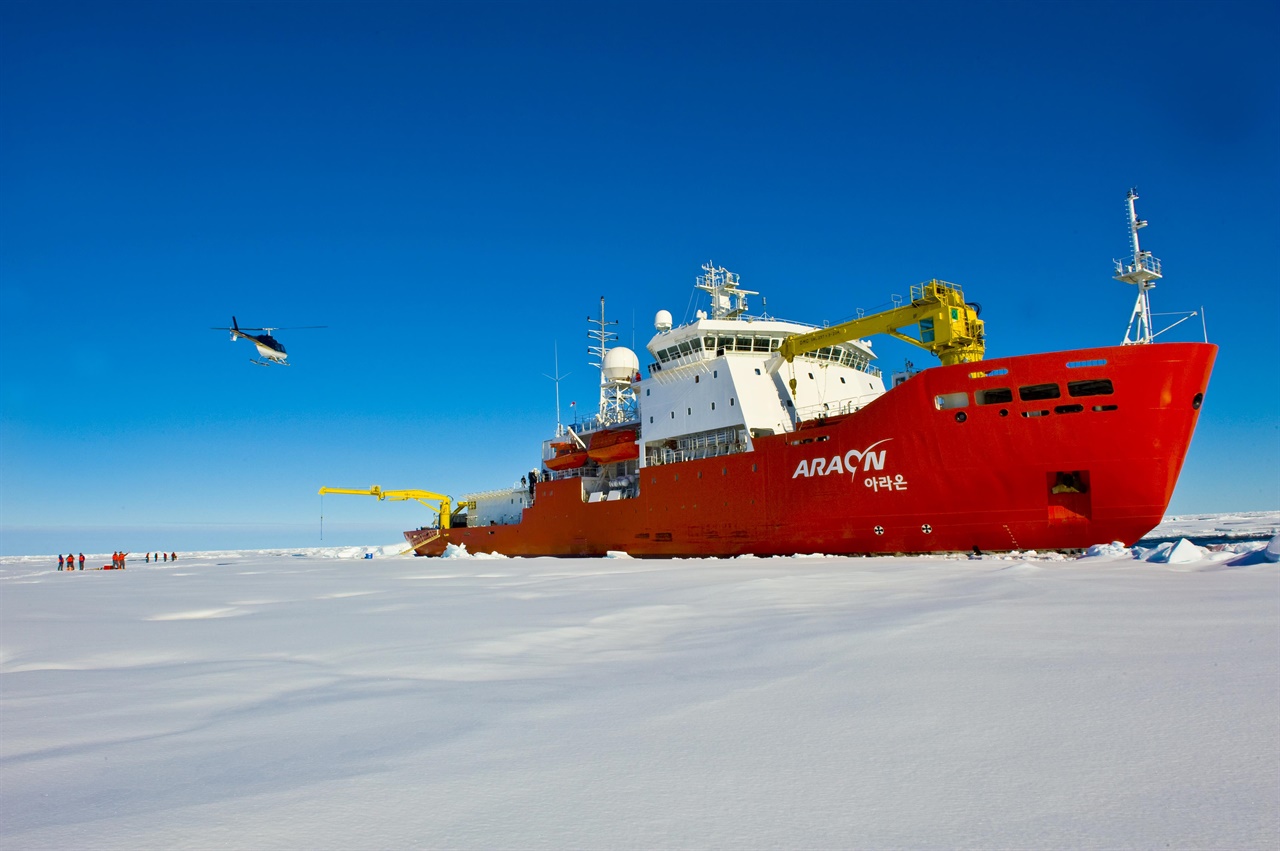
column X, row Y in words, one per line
column 82, row 561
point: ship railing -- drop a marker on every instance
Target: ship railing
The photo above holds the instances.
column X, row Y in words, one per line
column 827, row 409
column 587, row 471
column 711, row 445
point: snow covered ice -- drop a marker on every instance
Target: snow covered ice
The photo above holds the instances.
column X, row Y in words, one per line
column 315, row 698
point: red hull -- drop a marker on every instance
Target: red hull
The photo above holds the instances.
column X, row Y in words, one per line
column 901, row 475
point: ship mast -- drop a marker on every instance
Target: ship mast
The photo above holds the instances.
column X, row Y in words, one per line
column 557, row 378
column 1142, row 273
column 617, row 397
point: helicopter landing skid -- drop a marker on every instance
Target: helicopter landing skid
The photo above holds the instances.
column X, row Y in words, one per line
column 268, row 362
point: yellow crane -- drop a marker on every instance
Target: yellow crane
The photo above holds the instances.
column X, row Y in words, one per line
column 441, row 504
column 948, row 327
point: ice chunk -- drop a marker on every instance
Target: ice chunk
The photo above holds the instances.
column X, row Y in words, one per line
column 1115, row 549
column 1182, row 552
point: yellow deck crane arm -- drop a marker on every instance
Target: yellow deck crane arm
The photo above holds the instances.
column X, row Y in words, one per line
column 440, row 503
column 947, row 326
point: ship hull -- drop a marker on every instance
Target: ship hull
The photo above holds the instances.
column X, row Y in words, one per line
column 931, row 466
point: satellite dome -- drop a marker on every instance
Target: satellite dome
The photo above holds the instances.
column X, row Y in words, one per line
column 620, row 365
column 662, row 321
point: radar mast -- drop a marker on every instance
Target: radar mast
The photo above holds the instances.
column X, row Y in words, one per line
column 1142, row 273
column 618, row 367
column 723, row 287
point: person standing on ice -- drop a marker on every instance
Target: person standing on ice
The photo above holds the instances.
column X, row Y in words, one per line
column 59, row 561
column 82, row 561
column 173, row 556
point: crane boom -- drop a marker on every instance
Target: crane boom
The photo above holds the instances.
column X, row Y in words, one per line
column 947, row 326
column 441, row 504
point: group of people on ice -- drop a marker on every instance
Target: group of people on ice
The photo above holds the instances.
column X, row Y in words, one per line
column 117, row 560
column 69, row 563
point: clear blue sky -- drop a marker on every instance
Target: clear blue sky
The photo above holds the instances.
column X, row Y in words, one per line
column 451, row 188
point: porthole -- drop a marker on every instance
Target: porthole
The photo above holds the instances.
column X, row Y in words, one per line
column 1197, row 401
column 961, row 416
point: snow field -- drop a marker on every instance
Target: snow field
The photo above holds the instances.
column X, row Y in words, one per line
column 262, row 700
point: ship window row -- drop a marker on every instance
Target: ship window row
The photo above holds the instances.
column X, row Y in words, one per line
column 1033, row 393
column 844, row 357
column 721, row 343
column 689, row 411
column 1064, row 409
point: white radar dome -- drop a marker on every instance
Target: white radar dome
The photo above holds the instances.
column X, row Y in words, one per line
column 662, row 321
column 620, row 365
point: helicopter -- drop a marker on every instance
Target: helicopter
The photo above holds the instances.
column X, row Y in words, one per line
column 271, row 349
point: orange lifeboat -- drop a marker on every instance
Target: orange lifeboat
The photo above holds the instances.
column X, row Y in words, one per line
column 568, row 457
column 617, row 445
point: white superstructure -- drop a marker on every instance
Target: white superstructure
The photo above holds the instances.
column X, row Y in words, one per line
column 708, row 391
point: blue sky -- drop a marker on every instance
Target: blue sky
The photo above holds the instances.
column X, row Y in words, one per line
column 451, row 188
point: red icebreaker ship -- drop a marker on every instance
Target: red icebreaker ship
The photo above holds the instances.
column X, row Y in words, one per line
column 756, row 435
